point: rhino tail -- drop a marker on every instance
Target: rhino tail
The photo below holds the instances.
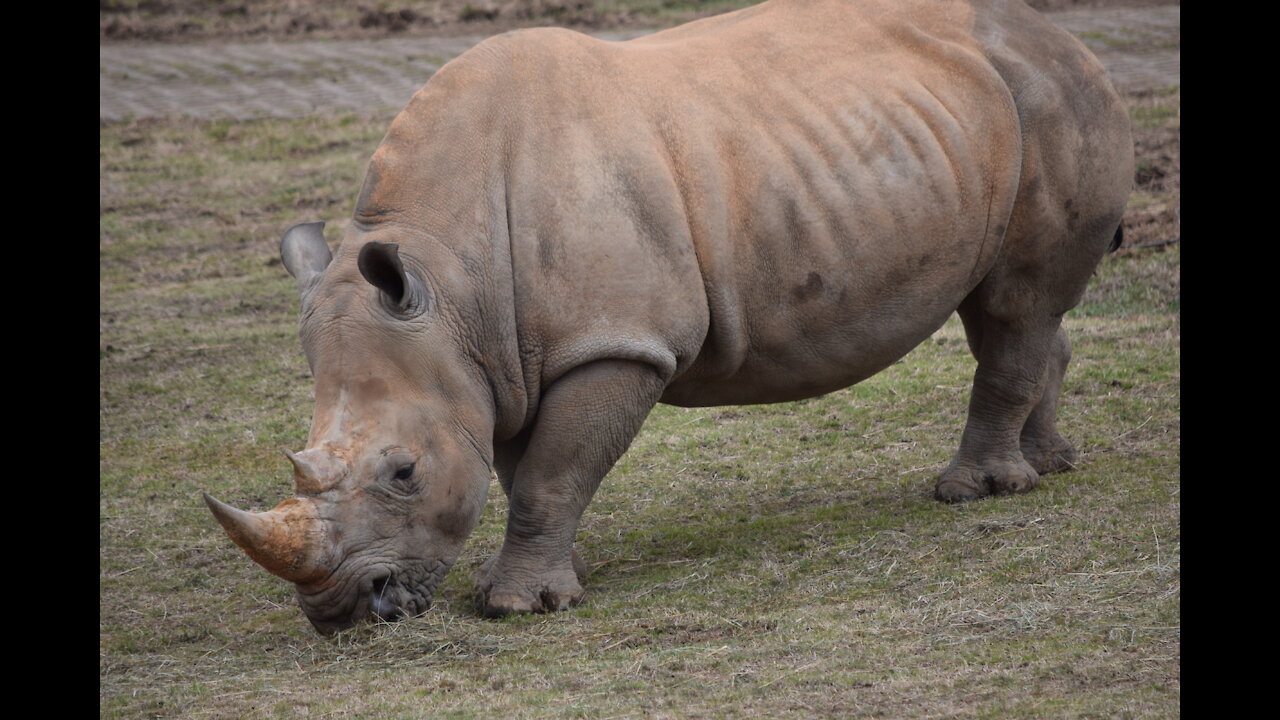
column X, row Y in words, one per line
column 1118, row 239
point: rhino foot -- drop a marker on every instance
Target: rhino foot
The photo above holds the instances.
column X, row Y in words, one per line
column 498, row 594
column 549, row 594
column 965, row 483
column 1054, row 456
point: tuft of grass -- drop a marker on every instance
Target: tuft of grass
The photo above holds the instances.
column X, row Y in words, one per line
column 768, row 561
column 1161, row 108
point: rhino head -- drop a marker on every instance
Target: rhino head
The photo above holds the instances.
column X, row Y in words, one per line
column 394, row 476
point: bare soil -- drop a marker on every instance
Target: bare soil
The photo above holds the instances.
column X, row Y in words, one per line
column 241, row 20
column 1153, row 218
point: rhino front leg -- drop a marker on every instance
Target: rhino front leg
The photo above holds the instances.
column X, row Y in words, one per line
column 586, row 420
column 1013, row 406
column 506, row 458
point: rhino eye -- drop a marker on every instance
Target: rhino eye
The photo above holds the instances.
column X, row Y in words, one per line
column 397, row 475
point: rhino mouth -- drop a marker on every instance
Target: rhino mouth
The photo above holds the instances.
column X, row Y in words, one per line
column 390, row 601
column 385, row 595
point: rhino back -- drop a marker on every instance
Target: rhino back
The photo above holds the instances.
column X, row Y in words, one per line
column 769, row 190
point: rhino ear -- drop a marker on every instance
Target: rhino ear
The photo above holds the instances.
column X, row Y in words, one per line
column 402, row 291
column 304, row 252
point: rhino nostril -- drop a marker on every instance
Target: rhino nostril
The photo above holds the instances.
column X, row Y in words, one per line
column 381, row 604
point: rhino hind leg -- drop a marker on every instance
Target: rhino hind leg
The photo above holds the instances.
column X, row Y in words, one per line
column 1042, row 447
column 1074, row 185
column 586, row 420
column 1010, row 386
column 1013, row 321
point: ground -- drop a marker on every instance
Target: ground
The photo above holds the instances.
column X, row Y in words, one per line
column 239, row 20
column 782, row 561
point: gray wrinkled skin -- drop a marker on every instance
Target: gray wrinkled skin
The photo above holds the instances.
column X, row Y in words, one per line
column 559, row 232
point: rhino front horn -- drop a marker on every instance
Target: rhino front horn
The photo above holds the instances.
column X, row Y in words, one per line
column 288, row 540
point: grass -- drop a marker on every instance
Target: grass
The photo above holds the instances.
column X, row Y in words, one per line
column 1161, row 108
column 183, row 20
column 187, row 20
column 770, row 561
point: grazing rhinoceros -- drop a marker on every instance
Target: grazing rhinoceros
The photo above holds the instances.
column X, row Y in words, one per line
column 559, row 232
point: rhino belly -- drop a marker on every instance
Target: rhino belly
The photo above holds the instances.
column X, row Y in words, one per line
column 822, row 333
column 834, row 270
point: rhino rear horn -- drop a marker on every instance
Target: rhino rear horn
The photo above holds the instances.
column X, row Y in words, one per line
column 315, row 471
column 288, row 540
column 305, row 252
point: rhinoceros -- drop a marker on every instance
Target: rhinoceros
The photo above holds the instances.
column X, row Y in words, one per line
column 559, row 232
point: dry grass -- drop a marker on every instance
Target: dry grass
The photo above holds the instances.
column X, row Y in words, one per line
column 201, row 20
column 188, row 20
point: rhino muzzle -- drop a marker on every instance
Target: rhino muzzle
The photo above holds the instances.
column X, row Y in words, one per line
column 336, row 585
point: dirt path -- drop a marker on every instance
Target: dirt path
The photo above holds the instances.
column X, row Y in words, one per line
column 1139, row 46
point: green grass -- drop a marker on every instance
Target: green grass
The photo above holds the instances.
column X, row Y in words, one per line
column 771, row 561
column 1158, row 109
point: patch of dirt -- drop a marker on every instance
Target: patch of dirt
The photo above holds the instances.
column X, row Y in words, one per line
column 188, row 21
column 1154, row 219
column 1161, row 223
